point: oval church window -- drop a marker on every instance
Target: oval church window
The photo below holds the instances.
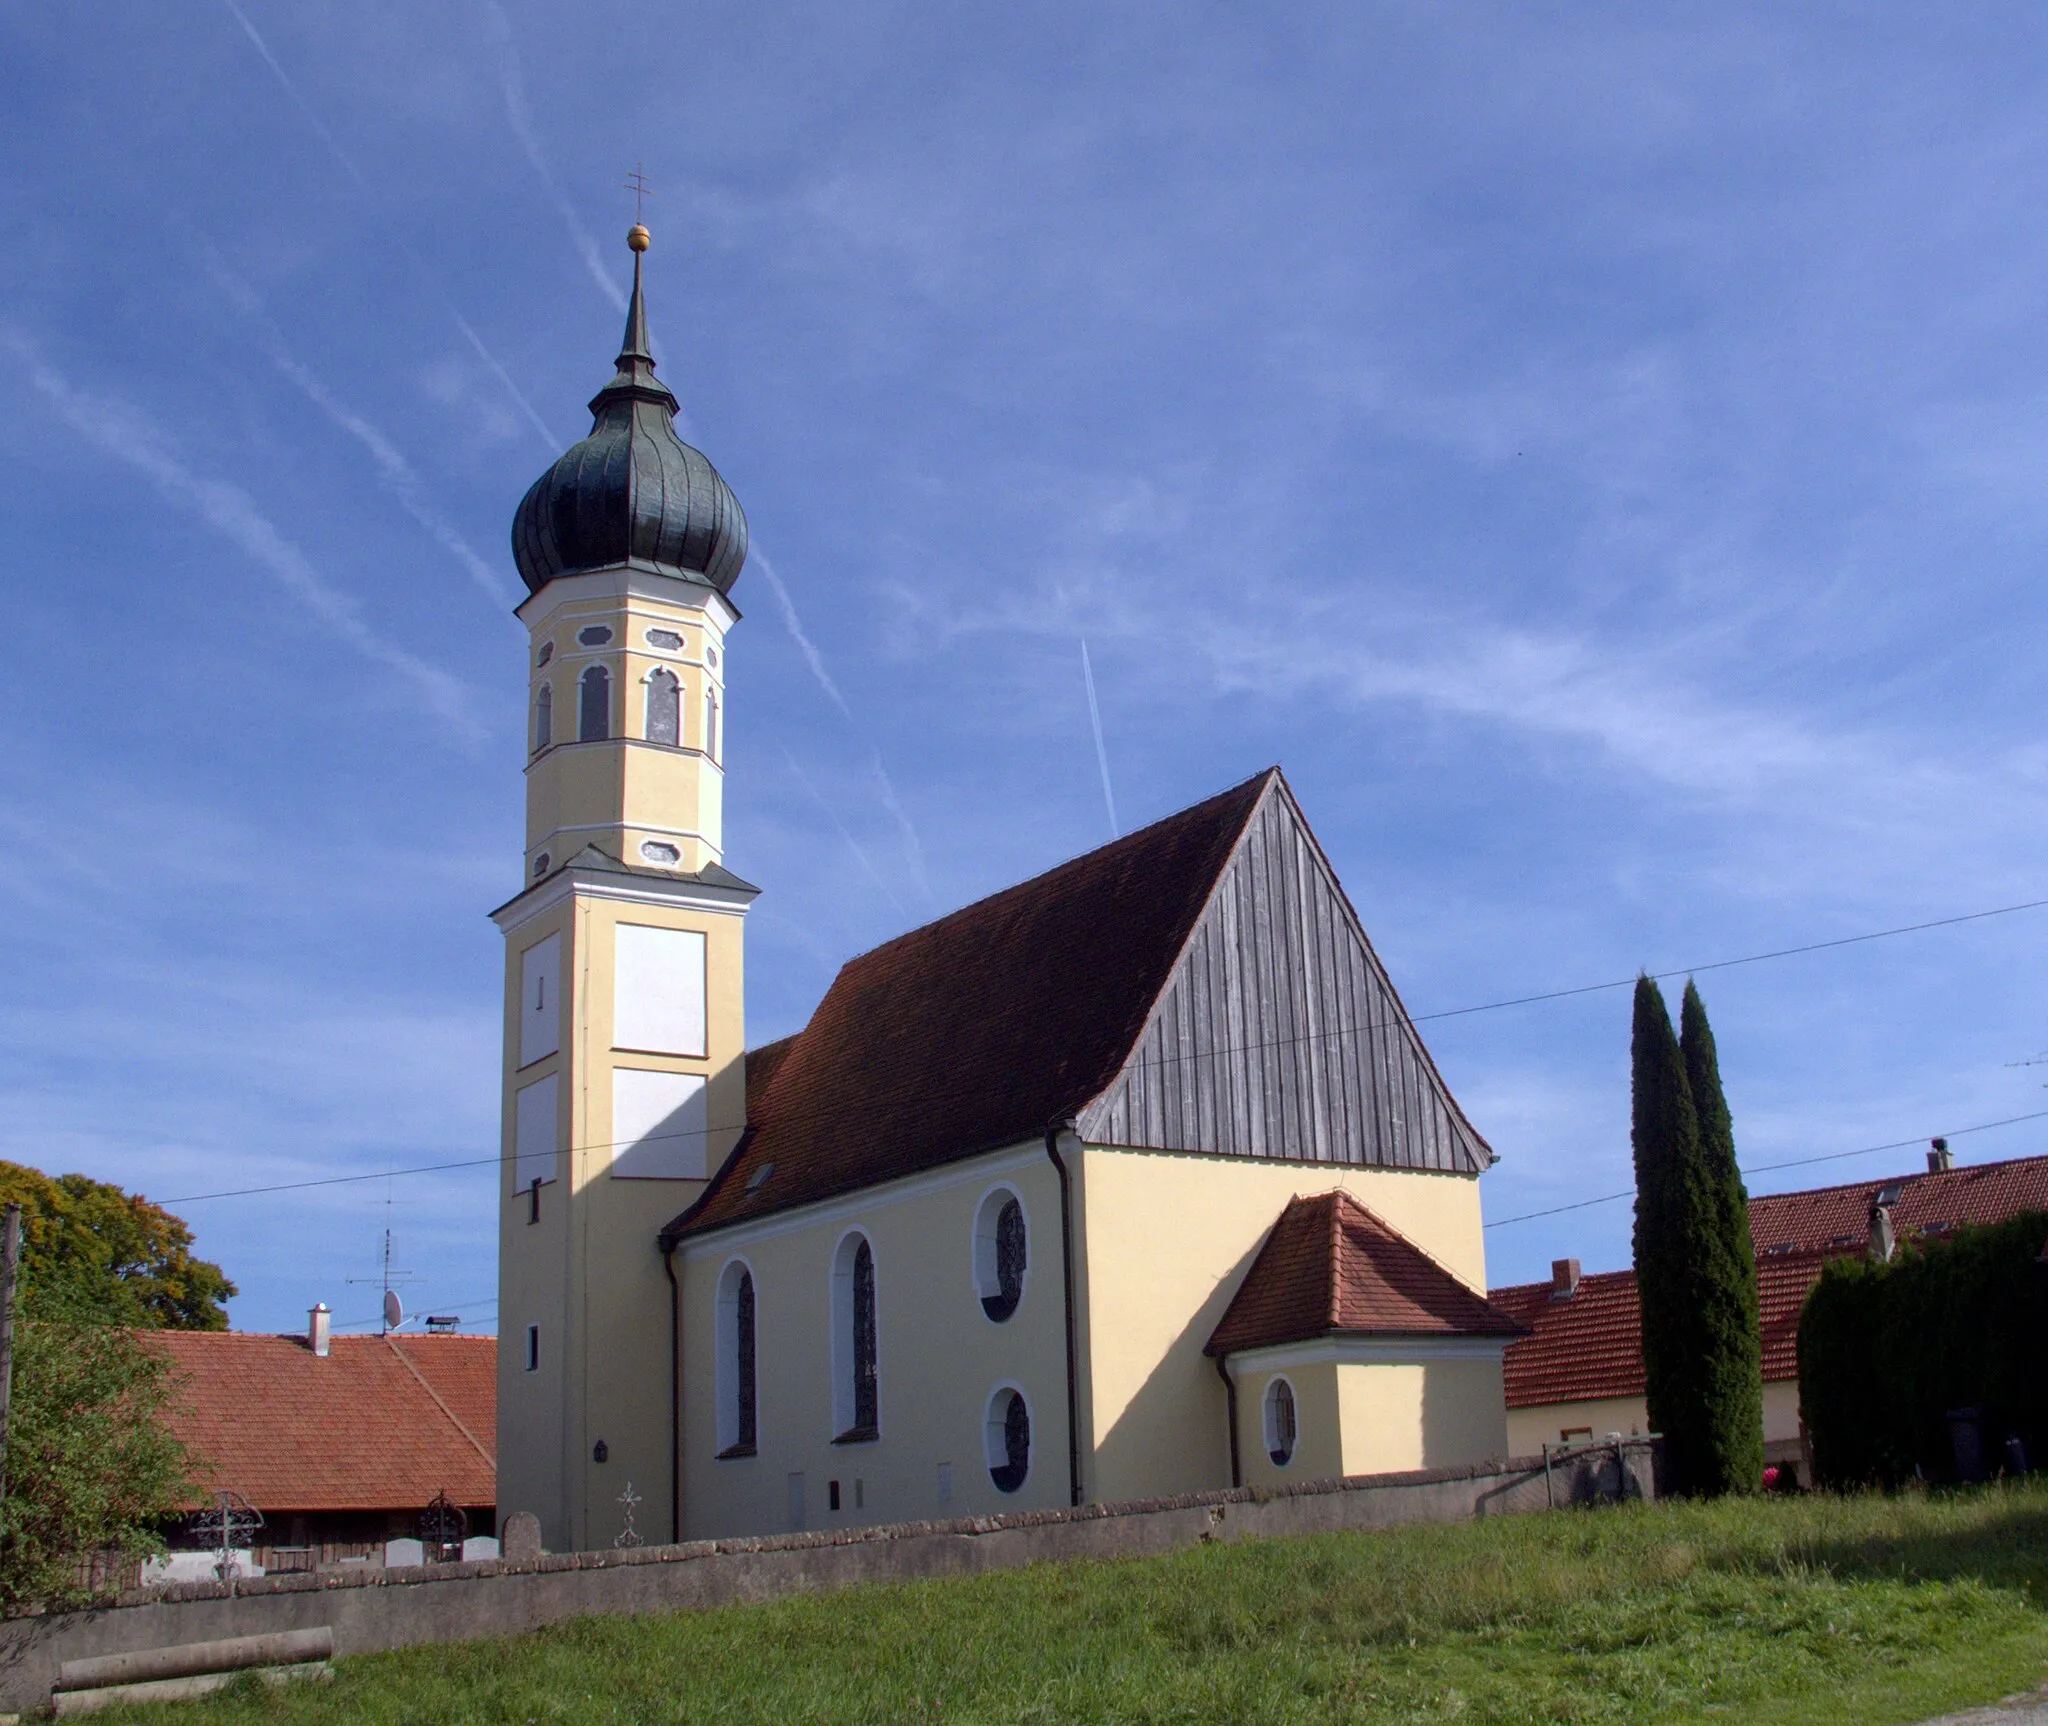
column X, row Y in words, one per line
column 1280, row 1422
column 1001, row 1253
column 1007, row 1439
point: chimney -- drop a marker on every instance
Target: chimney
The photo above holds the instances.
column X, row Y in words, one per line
column 316, row 1328
column 1884, row 1238
column 1939, row 1158
column 1564, row 1278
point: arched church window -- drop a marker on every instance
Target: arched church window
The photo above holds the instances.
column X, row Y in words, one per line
column 736, row 1380
column 711, row 723
column 1000, row 1253
column 1280, row 1422
column 856, row 1401
column 1006, row 1439
column 543, row 718
column 594, row 720
column 664, row 708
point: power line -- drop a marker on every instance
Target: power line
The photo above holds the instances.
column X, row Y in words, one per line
column 1218, row 1053
column 1795, row 1163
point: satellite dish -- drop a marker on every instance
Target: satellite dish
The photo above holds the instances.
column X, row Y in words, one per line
column 394, row 1310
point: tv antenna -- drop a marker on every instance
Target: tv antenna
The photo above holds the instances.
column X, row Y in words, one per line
column 390, row 1281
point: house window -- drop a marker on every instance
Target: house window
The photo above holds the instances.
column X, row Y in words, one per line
column 856, row 1406
column 533, row 1348
column 594, row 721
column 711, row 723
column 547, row 652
column 595, row 636
column 664, row 708
column 736, row 1395
column 665, row 639
column 543, row 718
column 1006, row 1436
column 1280, row 1422
column 1000, row 1253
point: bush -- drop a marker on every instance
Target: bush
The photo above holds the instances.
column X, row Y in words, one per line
column 1886, row 1352
column 92, row 1465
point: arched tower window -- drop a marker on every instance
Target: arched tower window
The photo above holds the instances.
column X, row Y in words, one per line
column 594, row 718
column 543, row 718
column 856, row 1402
column 736, row 1392
column 664, row 708
column 711, row 723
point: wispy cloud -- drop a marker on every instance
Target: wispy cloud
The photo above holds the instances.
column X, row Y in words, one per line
column 794, row 624
column 397, row 475
column 369, row 192
column 126, row 432
column 859, row 850
column 513, row 84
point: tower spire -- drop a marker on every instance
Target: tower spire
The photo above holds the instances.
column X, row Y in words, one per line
column 634, row 347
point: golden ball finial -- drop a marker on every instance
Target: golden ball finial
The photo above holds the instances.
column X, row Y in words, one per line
column 639, row 238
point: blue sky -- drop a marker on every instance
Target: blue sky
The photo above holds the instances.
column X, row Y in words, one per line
column 1597, row 450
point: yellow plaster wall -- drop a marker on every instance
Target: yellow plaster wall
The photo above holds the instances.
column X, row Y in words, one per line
column 939, row 1357
column 1318, row 1425
column 1165, row 1239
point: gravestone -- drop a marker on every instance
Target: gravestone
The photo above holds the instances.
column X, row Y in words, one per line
column 520, row 1537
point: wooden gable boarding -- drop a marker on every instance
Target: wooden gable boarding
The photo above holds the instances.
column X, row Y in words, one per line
column 1278, row 1033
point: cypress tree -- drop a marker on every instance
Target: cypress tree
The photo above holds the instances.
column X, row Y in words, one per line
column 1730, row 1454
column 1670, row 1191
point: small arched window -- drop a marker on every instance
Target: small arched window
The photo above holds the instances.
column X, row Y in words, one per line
column 664, row 708
column 1000, row 1253
column 856, row 1402
column 711, row 723
column 736, row 1382
column 1006, row 1439
column 1280, row 1422
column 594, row 718
column 543, row 718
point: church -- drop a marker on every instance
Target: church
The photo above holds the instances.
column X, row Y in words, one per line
column 1131, row 1180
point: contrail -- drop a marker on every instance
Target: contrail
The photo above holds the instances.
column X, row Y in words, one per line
column 398, row 475
column 790, row 621
column 1101, row 754
column 514, row 88
column 124, row 431
column 894, row 805
column 369, row 192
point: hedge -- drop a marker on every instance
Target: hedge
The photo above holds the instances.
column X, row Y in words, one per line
column 1887, row 1351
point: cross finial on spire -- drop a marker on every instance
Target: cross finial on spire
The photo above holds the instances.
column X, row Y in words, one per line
column 642, row 191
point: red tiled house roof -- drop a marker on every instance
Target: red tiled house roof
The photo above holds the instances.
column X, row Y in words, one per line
column 382, row 1423
column 1590, row 1345
column 1330, row 1267
column 912, row 1058
column 1839, row 1217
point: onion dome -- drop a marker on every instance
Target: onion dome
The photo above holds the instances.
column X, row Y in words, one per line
column 632, row 492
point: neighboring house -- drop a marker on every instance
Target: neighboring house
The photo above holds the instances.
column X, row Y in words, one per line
column 340, row 1443
column 978, row 1237
column 1579, row 1373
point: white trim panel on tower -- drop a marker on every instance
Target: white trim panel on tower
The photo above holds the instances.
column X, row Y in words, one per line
column 536, row 1136
column 540, row 1000
column 660, row 1126
column 658, row 990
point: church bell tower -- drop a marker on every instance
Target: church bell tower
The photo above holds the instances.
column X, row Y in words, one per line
column 624, row 1030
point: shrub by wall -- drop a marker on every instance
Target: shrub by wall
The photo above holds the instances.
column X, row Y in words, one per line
column 1886, row 1352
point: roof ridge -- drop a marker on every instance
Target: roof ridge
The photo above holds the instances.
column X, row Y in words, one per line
column 454, row 1418
column 1403, row 1236
column 1910, row 1175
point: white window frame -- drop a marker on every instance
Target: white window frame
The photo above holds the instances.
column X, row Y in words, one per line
column 727, row 1376
column 981, row 1262
column 844, row 1402
column 994, row 1439
column 1267, row 1433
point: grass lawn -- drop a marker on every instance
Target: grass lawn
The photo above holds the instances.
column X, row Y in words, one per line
column 1864, row 1610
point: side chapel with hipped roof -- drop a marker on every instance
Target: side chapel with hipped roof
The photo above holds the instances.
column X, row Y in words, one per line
column 1130, row 1180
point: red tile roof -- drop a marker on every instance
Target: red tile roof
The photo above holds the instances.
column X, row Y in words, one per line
column 1330, row 1267
column 979, row 1030
column 1591, row 1345
column 383, row 1423
column 1840, row 1216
